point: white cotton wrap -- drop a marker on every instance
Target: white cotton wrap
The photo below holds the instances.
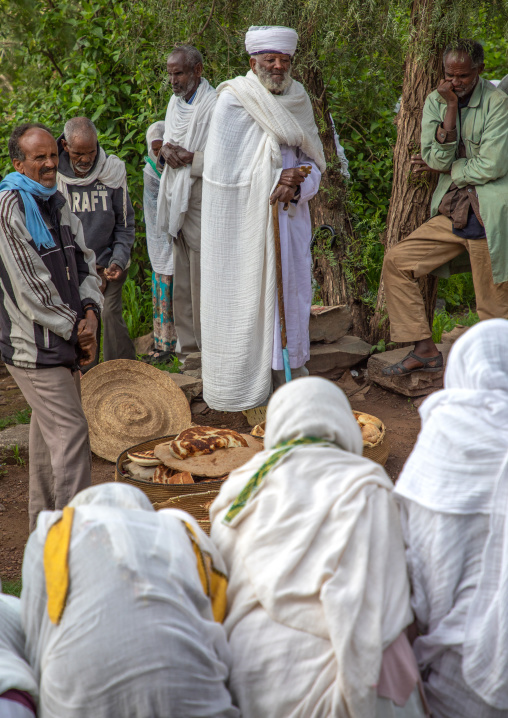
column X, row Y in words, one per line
column 318, row 550
column 160, row 245
column 459, row 466
column 186, row 126
column 242, row 165
column 15, row 672
column 137, row 636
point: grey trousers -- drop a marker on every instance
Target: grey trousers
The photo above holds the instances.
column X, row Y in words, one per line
column 116, row 343
column 279, row 376
column 187, row 277
column 59, row 447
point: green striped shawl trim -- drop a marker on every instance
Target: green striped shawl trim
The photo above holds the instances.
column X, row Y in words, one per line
column 254, row 483
column 153, row 165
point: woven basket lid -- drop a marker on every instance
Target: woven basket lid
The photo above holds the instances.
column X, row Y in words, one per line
column 127, row 402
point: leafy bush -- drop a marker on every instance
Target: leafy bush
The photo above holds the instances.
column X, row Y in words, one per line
column 137, row 306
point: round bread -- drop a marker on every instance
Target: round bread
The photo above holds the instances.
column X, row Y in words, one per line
column 144, row 458
column 128, row 402
column 220, row 462
column 370, row 433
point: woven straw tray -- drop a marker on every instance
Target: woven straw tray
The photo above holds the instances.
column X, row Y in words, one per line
column 379, row 451
column 193, row 498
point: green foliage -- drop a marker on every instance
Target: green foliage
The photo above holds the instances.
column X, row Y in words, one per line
column 137, row 306
column 445, row 322
column 20, row 417
column 381, row 346
column 17, row 456
column 12, row 587
column 457, row 291
column 173, row 367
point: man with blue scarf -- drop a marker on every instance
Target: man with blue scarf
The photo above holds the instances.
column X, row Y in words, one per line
column 50, row 301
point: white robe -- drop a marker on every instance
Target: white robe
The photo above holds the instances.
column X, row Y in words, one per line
column 251, row 130
column 295, row 238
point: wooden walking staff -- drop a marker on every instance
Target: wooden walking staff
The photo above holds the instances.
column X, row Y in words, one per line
column 280, row 291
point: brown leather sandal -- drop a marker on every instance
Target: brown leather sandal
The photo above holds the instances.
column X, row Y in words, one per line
column 400, row 370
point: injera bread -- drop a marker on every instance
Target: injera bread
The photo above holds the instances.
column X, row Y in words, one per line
column 221, row 462
column 128, row 402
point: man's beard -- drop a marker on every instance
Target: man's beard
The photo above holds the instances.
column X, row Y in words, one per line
column 186, row 89
column 267, row 81
column 79, row 170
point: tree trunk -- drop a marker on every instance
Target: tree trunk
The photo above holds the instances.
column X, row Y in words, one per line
column 328, row 208
column 411, row 197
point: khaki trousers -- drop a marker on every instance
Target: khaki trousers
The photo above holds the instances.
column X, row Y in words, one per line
column 187, row 278
column 59, row 447
column 427, row 248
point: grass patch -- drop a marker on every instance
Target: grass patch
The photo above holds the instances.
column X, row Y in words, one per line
column 12, row 587
column 445, row 322
column 173, row 367
column 20, row 417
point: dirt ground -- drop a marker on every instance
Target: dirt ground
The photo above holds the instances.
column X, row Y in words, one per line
column 398, row 413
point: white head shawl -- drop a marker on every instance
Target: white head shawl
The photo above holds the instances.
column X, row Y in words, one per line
column 114, row 495
column 321, row 537
column 154, row 132
column 460, row 465
column 15, row 672
column 464, row 436
column 271, row 38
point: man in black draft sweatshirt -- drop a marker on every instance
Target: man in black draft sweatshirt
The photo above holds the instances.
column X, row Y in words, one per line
column 96, row 186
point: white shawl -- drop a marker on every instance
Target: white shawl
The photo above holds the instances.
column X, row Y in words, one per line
column 243, row 162
column 15, row 672
column 460, row 466
column 109, row 170
column 186, row 126
column 319, row 543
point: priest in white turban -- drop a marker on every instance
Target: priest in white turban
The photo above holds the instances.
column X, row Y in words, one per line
column 261, row 136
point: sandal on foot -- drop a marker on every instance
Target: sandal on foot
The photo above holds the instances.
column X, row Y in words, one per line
column 400, row 370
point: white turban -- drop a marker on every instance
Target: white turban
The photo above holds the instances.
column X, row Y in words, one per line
column 271, row 38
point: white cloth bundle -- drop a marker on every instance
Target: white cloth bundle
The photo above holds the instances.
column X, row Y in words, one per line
column 243, row 162
column 109, row 170
column 15, row 672
column 459, row 468
column 137, row 637
column 318, row 586
column 159, row 244
column 186, row 126
column 271, row 38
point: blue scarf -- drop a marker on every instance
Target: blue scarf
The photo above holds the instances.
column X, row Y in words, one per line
column 28, row 189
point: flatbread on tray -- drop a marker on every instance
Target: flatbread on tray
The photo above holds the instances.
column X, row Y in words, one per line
column 221, row 462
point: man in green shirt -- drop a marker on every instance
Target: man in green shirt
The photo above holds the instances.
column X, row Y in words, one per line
column 464, row 139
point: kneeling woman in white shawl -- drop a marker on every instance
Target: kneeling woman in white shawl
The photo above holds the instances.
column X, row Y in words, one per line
column 453, row 492
column 119, row 619
column 318, row 588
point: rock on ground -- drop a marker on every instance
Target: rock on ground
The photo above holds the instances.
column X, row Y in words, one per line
column 14, row 436
column 330, row 360
column 143, row 345
column 329, row 324
column 190, row 386
column 192, row 361
column 419, row 383
column 456, row 332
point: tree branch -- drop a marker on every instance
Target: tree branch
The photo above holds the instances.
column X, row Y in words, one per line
column 51, row 58
column 200, row 32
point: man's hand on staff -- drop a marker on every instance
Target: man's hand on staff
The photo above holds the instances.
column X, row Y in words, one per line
column 282, row 194
column 418, row 166
column 87, row 337
column 176, row 156
column 292, row 177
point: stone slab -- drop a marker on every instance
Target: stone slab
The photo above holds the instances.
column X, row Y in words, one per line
column 330, row 360
column 190, row 386
column 195, row 373
column 144, row 344
column 199, row 407
column 456, row 332
column 192, row 361
column 16, row 435
column 420, row 383
column 329, row 324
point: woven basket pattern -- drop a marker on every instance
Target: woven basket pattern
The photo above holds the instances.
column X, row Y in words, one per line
column 193, row 498
column 255, row 416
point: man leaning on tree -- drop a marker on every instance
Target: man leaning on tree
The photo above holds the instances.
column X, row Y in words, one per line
column 464, row 139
